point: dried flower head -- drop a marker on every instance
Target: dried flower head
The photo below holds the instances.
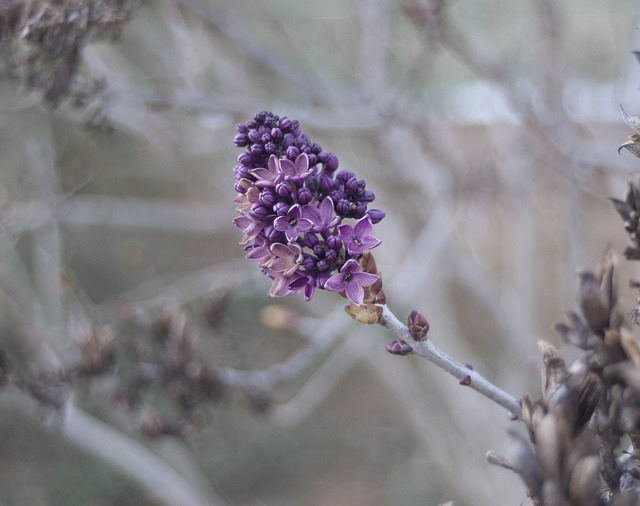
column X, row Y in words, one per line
column 44, row 39
column 291, row 206
column 629, row 211
column 579, row 429
column 633, row 144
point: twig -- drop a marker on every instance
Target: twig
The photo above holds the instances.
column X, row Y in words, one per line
column 133, row 458
column 324, row 379
column 464, row 374
column 324, row 338
column 152, row 213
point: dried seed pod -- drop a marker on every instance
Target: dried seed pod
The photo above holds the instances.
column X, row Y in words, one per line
column 594, row 303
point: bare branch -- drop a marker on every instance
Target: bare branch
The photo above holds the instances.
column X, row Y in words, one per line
column 464, row 374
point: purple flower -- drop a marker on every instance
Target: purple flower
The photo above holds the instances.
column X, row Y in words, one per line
column 297, row 171
column 358, row 238
column 291, row 207
column 248, row 198
column 270, row 176
column 287, row 285
column 285, row 258
column 323, row 216
column 259, row 250
column 352, row 281
column 249, row 226
column 293, row 223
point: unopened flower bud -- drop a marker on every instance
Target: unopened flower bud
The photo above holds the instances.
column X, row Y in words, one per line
column 240, row 140
column 276, row 134
column 286, row 124
column 304, row 196
column 465, row 381
column 376, row 215
column 418, row 325
column 254, row 136
column 292, row 152
column 331, row 164
column 399, row 348
column 256, row 150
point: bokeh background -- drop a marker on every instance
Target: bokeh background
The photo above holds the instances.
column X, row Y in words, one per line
column 488, row 131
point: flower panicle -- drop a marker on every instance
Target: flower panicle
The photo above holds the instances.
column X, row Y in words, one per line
column 293, row 209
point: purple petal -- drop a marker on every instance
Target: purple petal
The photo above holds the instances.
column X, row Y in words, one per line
column 354, row 249
column 288, row 167
column 301, row 281
column 376, row 215
column 295, row 212
column 346, row 232
column 309, row 291
column 312, row 213
column 280, row 250
column 302, row 163
column 265, row 178
column 281, row 223
column 243, row 222
column 363, row 278
column 304, row 224
column 326, row 209
column 363, row 227
column 370, row 242
column 335, row 283
column 279, row 287
column 291, row 233
column 259, row 253
column 355, row 293
column 273, row 164
column 351, row 267
column 286, row 285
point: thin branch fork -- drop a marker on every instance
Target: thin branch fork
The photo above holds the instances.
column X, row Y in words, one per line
column 465, row 375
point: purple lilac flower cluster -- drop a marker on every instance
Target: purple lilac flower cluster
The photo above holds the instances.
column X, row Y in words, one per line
column 292, row 204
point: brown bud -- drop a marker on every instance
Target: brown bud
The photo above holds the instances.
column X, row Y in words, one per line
column 399, row 348
column 368, row 263
column 418, row 325
column 374, row 293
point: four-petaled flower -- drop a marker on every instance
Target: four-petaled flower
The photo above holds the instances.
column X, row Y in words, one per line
column 297, row 171
column 358, row 238
column 293, row 223
column 285, row 258
column 268, row 177
column 351, row 280
column 323, row 216
column 285, row 285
